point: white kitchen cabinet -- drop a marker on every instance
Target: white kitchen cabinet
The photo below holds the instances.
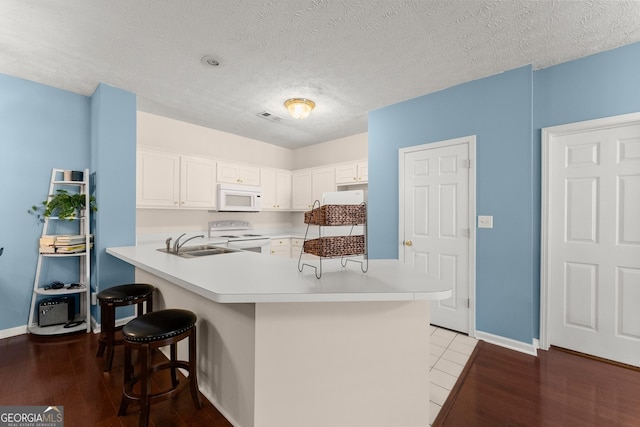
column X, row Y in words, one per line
column 323, row 180
column 197, row 182
column 363, row 171
column 167, row 180
column 233, row 173
column 281, row 247
column 157, row 179
column 296, row 249
column 276, row 189
column 308, row 186
column 352, row 173
column 301, row 190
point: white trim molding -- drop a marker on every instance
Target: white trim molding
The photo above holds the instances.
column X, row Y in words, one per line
column 95, row 326
column 13, row 332
column 520, row 346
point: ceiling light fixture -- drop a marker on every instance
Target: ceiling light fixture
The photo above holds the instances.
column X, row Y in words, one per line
column 299, row 108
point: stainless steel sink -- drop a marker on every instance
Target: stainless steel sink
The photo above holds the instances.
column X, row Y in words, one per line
column 198, row 251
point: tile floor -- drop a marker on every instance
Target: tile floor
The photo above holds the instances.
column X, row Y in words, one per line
column 449, row 353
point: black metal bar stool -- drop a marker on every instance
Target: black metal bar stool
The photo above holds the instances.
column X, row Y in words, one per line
column 119, row 296
column 146, row 333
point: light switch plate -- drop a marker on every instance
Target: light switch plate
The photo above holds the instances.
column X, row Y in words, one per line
column 485, row 221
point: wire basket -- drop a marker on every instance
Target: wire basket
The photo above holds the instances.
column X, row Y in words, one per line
column 337, row 215
column 335, row 246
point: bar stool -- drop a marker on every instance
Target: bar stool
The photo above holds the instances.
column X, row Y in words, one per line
column 119, row 296
column 146, row 333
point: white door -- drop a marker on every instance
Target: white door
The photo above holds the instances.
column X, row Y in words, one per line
column 436, row 213
column 591, row 221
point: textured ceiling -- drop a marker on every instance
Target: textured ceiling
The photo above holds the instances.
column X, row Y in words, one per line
column 349, row 56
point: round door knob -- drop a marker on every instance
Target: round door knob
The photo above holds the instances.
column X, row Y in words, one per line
column 408, row 243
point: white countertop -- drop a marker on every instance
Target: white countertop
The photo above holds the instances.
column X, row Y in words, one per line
column 245, row 277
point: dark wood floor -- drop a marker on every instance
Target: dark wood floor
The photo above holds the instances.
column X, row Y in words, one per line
column 498, row 387
column 64, row 371
column 501, row 387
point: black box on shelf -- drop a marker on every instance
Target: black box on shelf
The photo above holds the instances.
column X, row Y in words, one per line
column 55, row 311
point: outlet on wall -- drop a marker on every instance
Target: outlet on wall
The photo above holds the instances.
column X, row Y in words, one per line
column 485, row 221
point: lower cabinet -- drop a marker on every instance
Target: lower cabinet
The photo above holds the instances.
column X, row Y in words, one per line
column 296, row 249
column 281, row 247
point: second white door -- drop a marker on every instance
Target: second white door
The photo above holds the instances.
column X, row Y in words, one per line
column 591, row 269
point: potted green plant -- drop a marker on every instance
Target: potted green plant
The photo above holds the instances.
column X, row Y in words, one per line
column 64, row 205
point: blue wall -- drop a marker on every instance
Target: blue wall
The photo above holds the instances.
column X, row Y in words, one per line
column 43, row 128
column 113, row 159
column 498, row 111
column 506, row 112
column 40, row 128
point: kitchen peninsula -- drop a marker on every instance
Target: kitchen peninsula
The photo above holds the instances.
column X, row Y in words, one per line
column 280, row 348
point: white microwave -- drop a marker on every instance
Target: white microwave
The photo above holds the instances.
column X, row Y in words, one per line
column 239, row 198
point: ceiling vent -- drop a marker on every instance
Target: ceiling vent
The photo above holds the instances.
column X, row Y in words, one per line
column 270, row 116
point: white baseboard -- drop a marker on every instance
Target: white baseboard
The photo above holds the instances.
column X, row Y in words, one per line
column 224, row 413
column 509, row 343
column 13, row 332
column 95, row 326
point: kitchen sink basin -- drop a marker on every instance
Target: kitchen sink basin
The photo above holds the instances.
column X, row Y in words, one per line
column 198, row 251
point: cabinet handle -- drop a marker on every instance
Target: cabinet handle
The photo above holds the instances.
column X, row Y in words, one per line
column 408, row 243
column 354, row 178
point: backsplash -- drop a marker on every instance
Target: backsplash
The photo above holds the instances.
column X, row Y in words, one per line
column 153, row 224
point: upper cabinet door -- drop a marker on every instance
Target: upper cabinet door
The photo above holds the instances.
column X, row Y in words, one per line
column 323, row 180
column 268, row 184
column 283, row 189
column 276, row 189
column 352, row 173
column 157, row 179
column 197, row 182
column 301, row 190
column 363, row 172
column 347, row 174
column 238, row 174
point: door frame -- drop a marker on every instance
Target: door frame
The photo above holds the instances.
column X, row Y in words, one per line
column 548, row 135
column 471, row 143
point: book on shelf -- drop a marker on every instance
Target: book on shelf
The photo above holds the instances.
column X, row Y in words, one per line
column 66, row 240
column 71, row 249
column 65, row 249
column 47, row 241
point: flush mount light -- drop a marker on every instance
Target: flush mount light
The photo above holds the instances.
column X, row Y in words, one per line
column 299, row 108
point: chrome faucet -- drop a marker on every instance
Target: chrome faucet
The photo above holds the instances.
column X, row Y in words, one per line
column 177, row 245
column 168, row 243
